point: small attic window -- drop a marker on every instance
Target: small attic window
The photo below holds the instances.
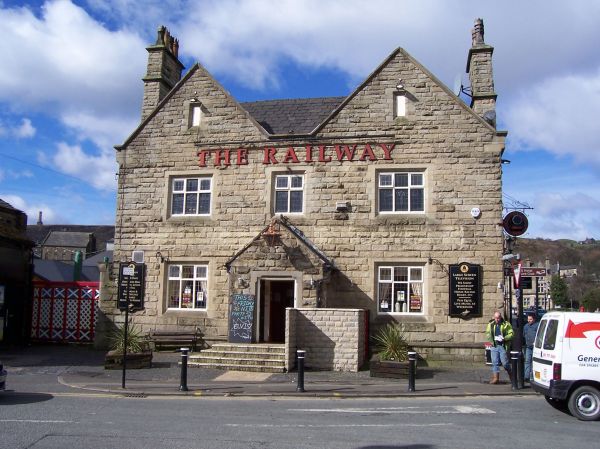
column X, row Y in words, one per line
column 399, row 104
column 195, row 113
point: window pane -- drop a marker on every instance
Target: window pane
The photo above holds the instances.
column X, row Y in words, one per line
column 188, row 272
column 201, row 272
column 416, row 179
column 190, row 203
column 205, row 184
column 550, row 337
column 401, row 199
column 385, row 200
column 385, row 180
column 186, row 295
column 177, row 204
column 178, row 185
column 200, row 298
column 296, row 201
column 191, row 185
column 281, row 201
column 173, row 294
column 385, row 274
column 296, row 181
column 385, row 297
column 204, row 206
column 281, row 182
column 417, row 202
column 416, row 274
column 539, row 335
column 401, row 295
column 174, row 271
column 401, row 180
column 401, row 274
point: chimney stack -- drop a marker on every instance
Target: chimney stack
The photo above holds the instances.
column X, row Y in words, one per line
column 40, row 222
column 163, row 71
column 479, row 68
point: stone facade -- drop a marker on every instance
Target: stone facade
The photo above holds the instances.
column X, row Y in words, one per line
column 329, row 255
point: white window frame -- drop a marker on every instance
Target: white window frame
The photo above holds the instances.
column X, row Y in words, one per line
column 197, row 283
column 392, row 187
column 408, row 297
column 195, row 114
column 288, row 189
column 400, row 105
column 200, row 191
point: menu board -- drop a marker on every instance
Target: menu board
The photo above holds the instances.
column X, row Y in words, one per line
column 131, row 285
column 241, row 318
column 465, row 290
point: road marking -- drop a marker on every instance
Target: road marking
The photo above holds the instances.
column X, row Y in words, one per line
column 442, row 409
column 38, row 421
column 324, row 426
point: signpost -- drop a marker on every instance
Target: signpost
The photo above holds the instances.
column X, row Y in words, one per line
column 465, row 290
column 130, row 296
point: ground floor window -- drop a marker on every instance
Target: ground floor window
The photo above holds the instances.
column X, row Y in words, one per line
column 400, row 289
column 188, row 286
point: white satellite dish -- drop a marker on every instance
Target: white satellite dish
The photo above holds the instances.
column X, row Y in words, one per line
column 457, row 85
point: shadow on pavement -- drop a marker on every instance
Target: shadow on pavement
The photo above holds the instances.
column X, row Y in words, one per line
column 15, row 398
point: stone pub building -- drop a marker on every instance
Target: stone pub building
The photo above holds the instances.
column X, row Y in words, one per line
column 334, row 215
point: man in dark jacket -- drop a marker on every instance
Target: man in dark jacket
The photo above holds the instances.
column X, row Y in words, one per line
column 499, row 333
column 529, row 331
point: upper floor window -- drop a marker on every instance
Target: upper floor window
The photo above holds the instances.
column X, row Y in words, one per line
column 401, row 192
column 195, row 114
column 188, row 286
column 191, row 196
column 400, row 289
column 400, row 105
column 289, row 194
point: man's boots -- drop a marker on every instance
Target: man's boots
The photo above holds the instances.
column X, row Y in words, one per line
column 495, row 378
column 509, row 372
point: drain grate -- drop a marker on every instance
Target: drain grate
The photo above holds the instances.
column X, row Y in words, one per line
column 135, row 395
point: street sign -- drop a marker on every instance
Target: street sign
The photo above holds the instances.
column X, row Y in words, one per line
column 533, row 272
column 517, row 273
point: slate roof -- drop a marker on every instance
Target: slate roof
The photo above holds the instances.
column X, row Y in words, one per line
column 296, row 116
column 5, row 205
column 103, row 233
column 57, row 271
column 66, row 238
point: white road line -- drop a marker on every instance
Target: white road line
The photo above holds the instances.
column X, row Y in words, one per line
column 38, row 421
column 443, row 409
column 315, row 426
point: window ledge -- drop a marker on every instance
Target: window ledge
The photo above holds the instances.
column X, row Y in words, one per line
column 406, row 219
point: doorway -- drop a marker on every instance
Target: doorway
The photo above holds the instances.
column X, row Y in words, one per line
column 275, row 296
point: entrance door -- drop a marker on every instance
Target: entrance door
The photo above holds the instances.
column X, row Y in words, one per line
column 275, row 297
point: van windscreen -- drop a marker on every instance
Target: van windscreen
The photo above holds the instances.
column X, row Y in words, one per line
column 550, row 337
column 539, row 336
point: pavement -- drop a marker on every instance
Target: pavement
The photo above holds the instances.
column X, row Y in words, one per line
column 77, row 368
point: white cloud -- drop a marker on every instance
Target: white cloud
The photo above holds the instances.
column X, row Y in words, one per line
column 32, row 209
column 560, row 115
column 25, row 130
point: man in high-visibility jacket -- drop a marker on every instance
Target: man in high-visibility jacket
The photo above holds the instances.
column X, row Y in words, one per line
column 500, row 334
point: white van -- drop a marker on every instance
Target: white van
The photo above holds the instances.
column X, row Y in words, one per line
column 566, row 362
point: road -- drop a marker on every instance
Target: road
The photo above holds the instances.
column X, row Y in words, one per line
column 72, row 420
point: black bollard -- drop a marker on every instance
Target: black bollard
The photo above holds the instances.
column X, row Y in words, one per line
column 184, row 360
column 514, row 367
column 412, row 370
column 300, row 355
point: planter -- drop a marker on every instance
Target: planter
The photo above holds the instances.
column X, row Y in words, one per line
column 388, row 368
column 139, row 360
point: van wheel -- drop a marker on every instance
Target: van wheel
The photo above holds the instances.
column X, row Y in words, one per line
column 558, row 404
column 584, row 403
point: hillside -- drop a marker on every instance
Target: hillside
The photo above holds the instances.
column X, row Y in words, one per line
column 566, row 252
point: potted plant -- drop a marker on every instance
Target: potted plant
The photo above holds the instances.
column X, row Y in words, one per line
column 391, row 353
column 139, row 354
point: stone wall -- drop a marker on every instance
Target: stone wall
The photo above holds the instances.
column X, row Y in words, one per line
column 334, row 339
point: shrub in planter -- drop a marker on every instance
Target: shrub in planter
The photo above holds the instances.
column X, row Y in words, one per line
column 139, row 354
column 390, row 343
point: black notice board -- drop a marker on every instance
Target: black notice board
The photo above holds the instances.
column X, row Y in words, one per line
column 241, row 318
column 465, row 290
column 131, row 285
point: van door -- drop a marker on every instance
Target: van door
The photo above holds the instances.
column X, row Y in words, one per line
column 547, row 350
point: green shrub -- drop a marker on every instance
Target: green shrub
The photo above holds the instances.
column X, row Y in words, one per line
column 390, row 343
column 136, row 342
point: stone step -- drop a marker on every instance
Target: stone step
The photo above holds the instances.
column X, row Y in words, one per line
column 262, row 348
column 236, row 361
column 235, row 367
column 238, row 354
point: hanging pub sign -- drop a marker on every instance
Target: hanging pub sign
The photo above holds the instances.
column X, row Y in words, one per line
column 465, row 290
column 241, row 318
column 131, row 285
column 515, row 223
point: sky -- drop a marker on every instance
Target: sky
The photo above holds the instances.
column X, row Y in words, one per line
column 71, row 89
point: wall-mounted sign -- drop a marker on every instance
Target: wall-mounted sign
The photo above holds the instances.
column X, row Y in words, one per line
column 465, row 290
column 241, row 318
column 515, row 223
column 131, row 285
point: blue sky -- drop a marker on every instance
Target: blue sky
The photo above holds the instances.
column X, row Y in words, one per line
column 70, row 86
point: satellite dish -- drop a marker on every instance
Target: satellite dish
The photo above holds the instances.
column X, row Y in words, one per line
column 457, row 85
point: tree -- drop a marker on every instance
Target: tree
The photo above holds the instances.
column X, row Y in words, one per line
column 591, row 300
column 559, row 291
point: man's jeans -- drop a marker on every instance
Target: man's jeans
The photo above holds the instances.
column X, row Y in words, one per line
column 528, row 357
column 499, row 355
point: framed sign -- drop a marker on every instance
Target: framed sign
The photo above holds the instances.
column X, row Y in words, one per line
column 241, row 318
column 465, row 290
column 131, row 285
